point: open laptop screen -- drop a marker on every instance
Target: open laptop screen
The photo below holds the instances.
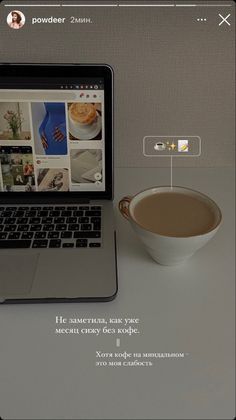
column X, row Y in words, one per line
column 52, row 136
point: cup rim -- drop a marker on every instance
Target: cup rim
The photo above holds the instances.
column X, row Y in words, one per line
column 214, row 204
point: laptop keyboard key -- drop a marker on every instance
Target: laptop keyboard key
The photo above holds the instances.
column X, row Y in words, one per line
column 6, row 213
column 10, row 221
column 97, row 226
column 82, row 241
column 54, row 213
column 68, row 245
column 73, row 227
column 55, row 243
column 53, row 234
column 23, row 228
column 66, row 213
column 71, row 220
column 95, row 219
column 3, row 235
column 34, row 220
column 66, row 234
column 22, row 221
column 40, row 243
column 59, row 220
column 93, row 213
column 14, row 235
column 40, row 235
column 81, row 244
column 42, row 213
column 10, row 228
column 15, row 243
column 35, row 228
column 48, row 228
column 78, row 213
column 87, row 234
column 86, row 227
column 61, row 227
column 27, row 235
column 30, row 213
column 18, row 214
column 94, row 244
column 47, row 220
column 83, row 219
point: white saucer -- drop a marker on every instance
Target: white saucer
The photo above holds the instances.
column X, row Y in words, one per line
column 88, row 132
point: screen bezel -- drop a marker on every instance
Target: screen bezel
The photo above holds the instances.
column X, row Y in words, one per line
column 15, row 72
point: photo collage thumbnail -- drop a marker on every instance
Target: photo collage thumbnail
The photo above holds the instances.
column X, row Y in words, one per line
column 56, row 133
column 17, row 168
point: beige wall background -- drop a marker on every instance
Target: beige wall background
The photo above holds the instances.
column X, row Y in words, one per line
column 173, row 75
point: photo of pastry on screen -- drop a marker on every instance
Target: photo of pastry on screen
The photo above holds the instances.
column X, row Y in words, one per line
column 85, row 121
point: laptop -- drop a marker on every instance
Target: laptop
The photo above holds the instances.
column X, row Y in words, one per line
column 57, row 234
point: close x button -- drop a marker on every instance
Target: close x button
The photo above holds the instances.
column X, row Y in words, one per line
column 224, row 20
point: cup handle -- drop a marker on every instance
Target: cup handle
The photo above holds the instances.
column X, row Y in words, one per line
column 124, row 206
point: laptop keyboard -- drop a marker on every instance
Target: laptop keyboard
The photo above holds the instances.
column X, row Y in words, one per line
column 50, row 226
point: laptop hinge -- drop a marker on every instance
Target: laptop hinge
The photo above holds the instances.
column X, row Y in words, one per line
column 43, row 200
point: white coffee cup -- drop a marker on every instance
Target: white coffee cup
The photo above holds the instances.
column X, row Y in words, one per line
column 169, row 250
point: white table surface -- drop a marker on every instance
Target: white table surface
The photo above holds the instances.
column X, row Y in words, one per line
column 189, row 308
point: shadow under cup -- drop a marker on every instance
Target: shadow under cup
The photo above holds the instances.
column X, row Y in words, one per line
column 179, row 211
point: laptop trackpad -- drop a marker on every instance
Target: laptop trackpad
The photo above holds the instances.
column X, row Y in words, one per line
column 17, row 274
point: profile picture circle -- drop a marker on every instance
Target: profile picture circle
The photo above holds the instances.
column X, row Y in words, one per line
column 16, row 19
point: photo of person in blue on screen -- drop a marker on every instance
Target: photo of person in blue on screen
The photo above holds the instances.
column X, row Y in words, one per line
column 49, row 122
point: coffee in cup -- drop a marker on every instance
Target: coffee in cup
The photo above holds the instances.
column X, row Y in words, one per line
column 172, row 222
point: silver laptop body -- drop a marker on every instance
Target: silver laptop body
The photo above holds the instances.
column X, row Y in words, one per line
column 57, row 234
